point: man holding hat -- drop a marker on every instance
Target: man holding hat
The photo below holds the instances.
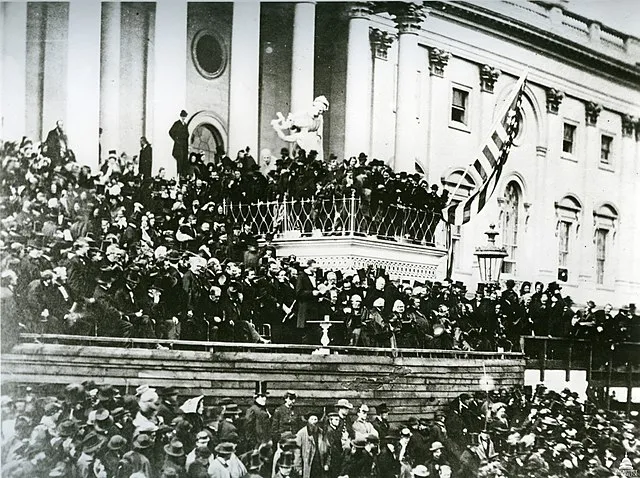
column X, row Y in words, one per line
column 179, row 133
column 257, row 424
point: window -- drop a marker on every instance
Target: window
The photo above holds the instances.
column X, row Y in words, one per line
column 459, row 106
column 568, row 216
column 601, row 254
column 564, row 230
column 206, row 140
column 569, row 138
column 456, row 235
column 511, row 213
column 606, row 152
column 209, row 55
column 605, row 224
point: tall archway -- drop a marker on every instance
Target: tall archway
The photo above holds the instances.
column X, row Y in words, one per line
column 207, row 135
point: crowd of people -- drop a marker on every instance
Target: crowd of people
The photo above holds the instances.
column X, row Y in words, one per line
column 125, row 255
column 98, row 431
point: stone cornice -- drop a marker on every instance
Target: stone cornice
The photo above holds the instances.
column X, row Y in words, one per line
column 539, row 39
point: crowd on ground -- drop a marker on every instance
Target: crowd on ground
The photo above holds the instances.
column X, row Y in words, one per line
column 121, row 254
column 99, row 431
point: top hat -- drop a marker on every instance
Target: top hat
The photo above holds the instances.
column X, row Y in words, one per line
column 175, row 448
column 286, row 459
column 261, row 389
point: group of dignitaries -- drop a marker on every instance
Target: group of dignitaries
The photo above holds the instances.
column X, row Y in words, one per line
column 96, row 431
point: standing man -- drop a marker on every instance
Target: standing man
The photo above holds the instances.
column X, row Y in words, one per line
column 285, row 417
column 258, row 419
column 146, row 158
column 56, row 144
column 180, row 135
column 307, row 295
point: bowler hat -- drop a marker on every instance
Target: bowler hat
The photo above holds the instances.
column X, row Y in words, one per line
column 436, row 445
column 142, row 442
column 183, row 114
column 232, row 410
column 66, row 428
column 117, row 443
column 92, row 442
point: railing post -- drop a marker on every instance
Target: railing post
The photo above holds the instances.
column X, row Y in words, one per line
column 568, row 371
column 543, row 360
column 224, row 206
column 352, row 212
column 285, row 212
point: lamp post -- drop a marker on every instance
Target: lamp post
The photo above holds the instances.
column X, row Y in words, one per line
column 490, row 258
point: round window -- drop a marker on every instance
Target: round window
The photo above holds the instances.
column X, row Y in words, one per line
column 209, row 54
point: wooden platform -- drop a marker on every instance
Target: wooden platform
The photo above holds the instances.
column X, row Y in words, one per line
column 410, row 382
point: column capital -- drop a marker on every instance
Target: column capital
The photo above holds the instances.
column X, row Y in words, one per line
column 438, row 59
column 488, row 77
column 358, row 9
column 554, row 98
column 592, row 111
column 628, row 125
column 408, row 15
column 380, row 42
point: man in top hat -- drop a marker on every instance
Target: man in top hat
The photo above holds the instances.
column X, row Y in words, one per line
column 361, row 463
column 227, row 429
column 179, row 133
column 387, row 461
column 257, row 423
column 286, row 417
column 284, row 465
column 417, row 448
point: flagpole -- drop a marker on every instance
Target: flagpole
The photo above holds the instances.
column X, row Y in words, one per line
column 523, row 77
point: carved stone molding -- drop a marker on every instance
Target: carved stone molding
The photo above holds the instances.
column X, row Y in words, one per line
column 554, row 99
column 438, row 60
column 408, row 15
column 592, row 111
column 358, row 9
column 380, row 42
column 628, row 125
column 488, row 77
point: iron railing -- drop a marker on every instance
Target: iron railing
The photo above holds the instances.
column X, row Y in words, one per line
column 346, row 216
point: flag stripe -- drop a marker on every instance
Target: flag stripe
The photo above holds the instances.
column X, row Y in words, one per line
column 489, row 164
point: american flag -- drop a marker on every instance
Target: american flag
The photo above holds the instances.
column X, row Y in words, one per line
column 489, row 162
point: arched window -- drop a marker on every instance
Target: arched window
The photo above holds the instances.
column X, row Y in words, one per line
column 511, row 204
column 605, row 220
column 206, row 139
column 568, row 213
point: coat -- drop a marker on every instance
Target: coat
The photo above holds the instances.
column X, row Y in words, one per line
column 284, row 419
column 145, row 161
column 309, row 448
column 307, row 302
column 180, row 135
column 359, row 464
column 257, row 425
column 387, row 464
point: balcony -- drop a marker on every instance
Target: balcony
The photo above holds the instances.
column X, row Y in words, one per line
column 349, row 233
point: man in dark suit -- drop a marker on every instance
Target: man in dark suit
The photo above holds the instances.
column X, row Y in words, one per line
column 180, row 135
column 308, row 297
column 146, row 158
column 56, row 145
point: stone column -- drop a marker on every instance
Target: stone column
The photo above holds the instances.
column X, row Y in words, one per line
column 439, row 98
column 408, row 17
column 357, row 131
column 13, row 18
column 629, row 225
column 110, row 78
column 382, row 90
column 83, row 81
column 169, row 78
column 302, row 56
column 488, row 78
column 245, row 67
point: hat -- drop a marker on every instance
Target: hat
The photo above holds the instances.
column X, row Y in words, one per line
column 225, row 448
column 183, row 114
column 117, row 443
column 167, row 391
column 405, row 432
column 364, row 408
column 344, row 403
column 51, row 408
column 413, row 421
column 333, row 415
column 436, row 445
column 371, row 438
column 290, row 394
column 359, row 442
column 231, row 410
column 106, row 392
column 420, row 470
column 66, row 428
column 142, row 442
column 143, row 388
column 261, row 389
column 175, row 448
column 92, row 443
